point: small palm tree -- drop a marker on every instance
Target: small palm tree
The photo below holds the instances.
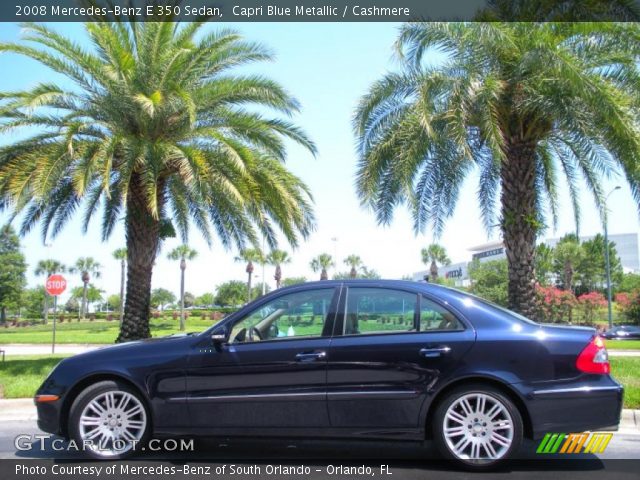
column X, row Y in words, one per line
column 568, row 254
column 321, row 263
column 250, row 255
column 526, row 106
column 434, row 254
column 182, row 253
column 121, row 255
column 277, row 258
column 86, row 267
column 355, row 262
column 46, row 268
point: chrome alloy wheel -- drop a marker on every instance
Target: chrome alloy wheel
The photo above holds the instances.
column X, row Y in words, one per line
column 112, row 423
column 478, row 427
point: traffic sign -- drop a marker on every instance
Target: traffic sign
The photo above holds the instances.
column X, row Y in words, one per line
column 56, row 284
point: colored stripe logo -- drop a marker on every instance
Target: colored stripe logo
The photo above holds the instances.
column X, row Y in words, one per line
column 574, row 443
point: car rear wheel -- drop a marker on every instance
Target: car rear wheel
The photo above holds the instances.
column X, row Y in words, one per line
column 109, row 420
column 477, row 426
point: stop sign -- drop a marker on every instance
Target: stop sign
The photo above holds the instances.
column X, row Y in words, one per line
column 56, row 284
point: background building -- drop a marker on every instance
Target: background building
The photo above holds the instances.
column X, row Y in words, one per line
column 626, row 244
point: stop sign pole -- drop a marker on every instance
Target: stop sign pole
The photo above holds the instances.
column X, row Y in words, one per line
column 55, row 286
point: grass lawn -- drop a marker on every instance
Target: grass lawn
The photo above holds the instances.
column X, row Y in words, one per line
column 20, row 376
column 622, row 344
column 99, row 331
column 626, row 370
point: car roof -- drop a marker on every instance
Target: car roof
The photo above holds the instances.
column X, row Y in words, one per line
column 439, row 291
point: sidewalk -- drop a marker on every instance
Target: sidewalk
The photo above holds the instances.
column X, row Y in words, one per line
column 23, row 409
column 624, row 353
column 13, row 349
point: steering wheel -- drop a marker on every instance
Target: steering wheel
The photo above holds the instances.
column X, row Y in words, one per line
column 254, row 333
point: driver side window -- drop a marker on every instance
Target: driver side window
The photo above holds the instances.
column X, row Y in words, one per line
column 300, row 314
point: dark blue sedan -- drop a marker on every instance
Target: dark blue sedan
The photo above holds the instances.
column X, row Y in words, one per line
column 344, row 359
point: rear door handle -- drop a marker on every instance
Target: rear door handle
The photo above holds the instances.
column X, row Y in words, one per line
column 310, row 356
column 434, row 352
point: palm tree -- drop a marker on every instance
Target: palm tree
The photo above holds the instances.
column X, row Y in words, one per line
column 321, row 263
column 543, row 262
column 250, row 255
column 277, row 258
column 523, row 104
column 182, row 253
column 434, row 254
column 46, row 268
column 121, row 254
column 568, row 254
column 86, row 266
column 155, row 133
column 355, row 262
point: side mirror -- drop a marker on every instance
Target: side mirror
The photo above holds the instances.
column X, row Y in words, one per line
column 218, row 338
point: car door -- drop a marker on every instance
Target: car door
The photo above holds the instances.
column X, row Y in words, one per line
column 271, row 371
column 389, row 347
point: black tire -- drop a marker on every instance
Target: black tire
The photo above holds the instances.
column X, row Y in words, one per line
column 494, row 395
column 87, row 396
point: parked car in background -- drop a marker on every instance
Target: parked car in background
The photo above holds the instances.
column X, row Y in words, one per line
column 347, row 360
column 622, row 332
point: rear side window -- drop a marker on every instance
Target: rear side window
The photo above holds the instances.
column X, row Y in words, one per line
column 433, row 317
column 379, row 310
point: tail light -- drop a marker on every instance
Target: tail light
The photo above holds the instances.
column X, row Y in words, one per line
column 594, row 358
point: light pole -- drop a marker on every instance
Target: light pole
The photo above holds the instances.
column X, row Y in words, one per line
column 607, row 263
column 264, row 286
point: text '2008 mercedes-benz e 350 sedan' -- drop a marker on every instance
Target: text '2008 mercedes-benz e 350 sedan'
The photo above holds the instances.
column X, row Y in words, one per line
column 348, row 360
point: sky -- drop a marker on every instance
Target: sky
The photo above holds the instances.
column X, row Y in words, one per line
column 327, row 67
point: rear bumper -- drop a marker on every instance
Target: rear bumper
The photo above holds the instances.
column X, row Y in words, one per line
column 571, row 408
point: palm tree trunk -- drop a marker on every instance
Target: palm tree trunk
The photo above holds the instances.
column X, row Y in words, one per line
column 568, row 276
column 143, row 239
column 84, row 299
column 249, row 287
column 433, row 271
column 353, row 273
column 519, row 225
column 182, row 322
column 123, row 272
column 278, row 276
column 324, row 275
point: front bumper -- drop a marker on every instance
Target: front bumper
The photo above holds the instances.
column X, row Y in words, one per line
column 49, row 417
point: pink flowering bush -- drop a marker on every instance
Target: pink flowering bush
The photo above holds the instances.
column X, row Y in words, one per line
column 555, row 305
column 591, row 303
column 629, row 305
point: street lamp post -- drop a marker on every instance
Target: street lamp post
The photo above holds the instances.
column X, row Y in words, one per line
column 606, row 256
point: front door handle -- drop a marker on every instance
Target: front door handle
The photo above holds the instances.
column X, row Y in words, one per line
column 434, row 352
column 310, row 356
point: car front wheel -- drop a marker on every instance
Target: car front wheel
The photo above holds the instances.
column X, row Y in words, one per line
column 109, row 420
column 478, row 427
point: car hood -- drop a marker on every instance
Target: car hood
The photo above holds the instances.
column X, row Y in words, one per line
column 137, row 346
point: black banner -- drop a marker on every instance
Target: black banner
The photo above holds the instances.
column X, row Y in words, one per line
column 309, row 470
column 317, row 10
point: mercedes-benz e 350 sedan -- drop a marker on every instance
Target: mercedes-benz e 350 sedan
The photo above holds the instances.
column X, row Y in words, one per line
column 343, row 359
